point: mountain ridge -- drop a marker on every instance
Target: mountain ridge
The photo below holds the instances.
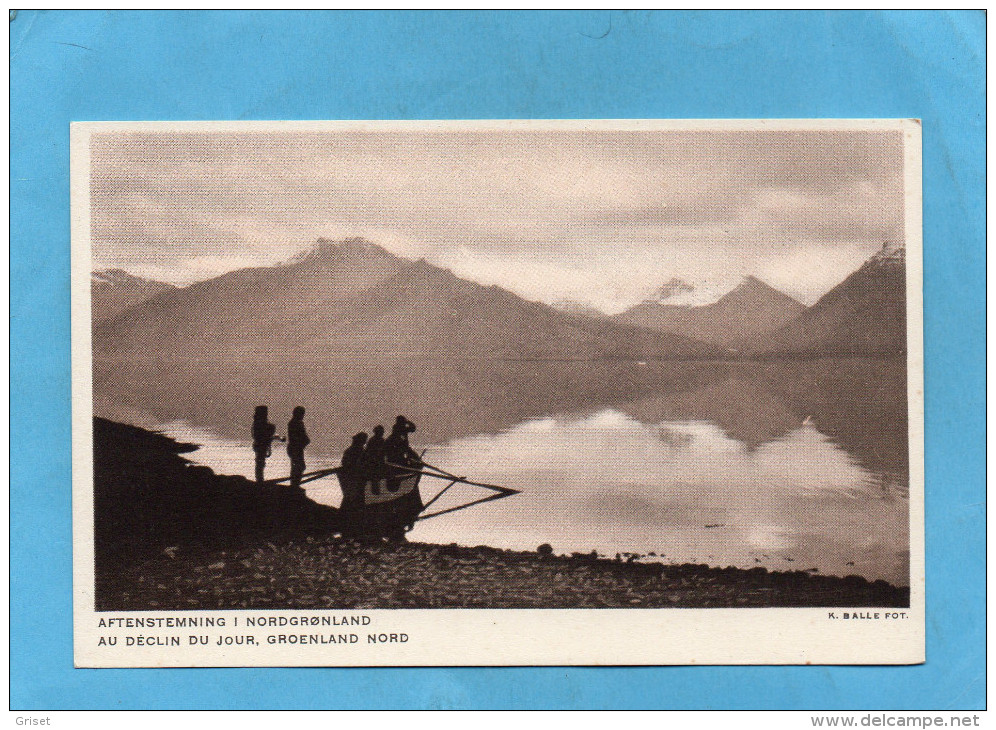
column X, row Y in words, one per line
column 354, row 296
column 751, row 308
column 863, row 315
column 113, row 291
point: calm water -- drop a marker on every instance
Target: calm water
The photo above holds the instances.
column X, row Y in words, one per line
column 790, row 466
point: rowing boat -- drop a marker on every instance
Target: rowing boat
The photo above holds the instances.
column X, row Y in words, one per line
column 389, row 504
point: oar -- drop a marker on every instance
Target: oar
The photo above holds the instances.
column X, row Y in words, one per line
column 454, row 479
column 309, row 477
column 438, row 495
column 305, row 478
column 461, row 480
column 469, row 504
column 436, row 468
column 464, row 480
column 441, row 471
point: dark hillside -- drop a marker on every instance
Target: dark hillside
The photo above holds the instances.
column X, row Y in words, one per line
column 148, row 498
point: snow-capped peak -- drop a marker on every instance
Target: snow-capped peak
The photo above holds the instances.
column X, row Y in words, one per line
column 890, row 252
column 114, row 277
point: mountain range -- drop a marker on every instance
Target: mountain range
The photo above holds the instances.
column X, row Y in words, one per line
column 353, row 297
column 751, row 309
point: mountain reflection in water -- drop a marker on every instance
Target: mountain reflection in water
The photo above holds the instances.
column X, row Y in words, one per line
column 790, row 465
column 684, row 490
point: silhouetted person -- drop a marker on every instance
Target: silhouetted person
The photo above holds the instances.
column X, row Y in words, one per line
column 396, row 446
column 263, row 434
column 375, row 458
column 352, row 474
column 297, row 440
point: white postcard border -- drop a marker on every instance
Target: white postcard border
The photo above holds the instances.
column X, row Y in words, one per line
column 496, row 637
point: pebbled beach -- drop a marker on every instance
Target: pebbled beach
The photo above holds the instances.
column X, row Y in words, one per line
column 325, row 573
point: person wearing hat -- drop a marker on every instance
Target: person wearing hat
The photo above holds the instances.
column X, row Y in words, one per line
column 396, row 446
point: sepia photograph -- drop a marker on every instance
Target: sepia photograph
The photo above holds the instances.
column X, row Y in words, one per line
column 339, row 370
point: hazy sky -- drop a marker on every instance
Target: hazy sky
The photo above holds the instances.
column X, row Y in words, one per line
column 600, row 217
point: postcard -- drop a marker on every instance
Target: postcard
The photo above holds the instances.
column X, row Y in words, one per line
column 465, row 393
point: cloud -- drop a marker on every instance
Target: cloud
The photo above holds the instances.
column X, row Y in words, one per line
column 600, row 216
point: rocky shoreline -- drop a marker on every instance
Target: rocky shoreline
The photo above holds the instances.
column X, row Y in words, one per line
column 329, row 573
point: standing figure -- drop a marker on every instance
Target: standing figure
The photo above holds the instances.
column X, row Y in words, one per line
column 397, row 450
column 375, row 459
column 263, row 433
column 297, row 440
column 352, row 476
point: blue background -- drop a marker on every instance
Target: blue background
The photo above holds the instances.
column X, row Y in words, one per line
column 68, row 66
